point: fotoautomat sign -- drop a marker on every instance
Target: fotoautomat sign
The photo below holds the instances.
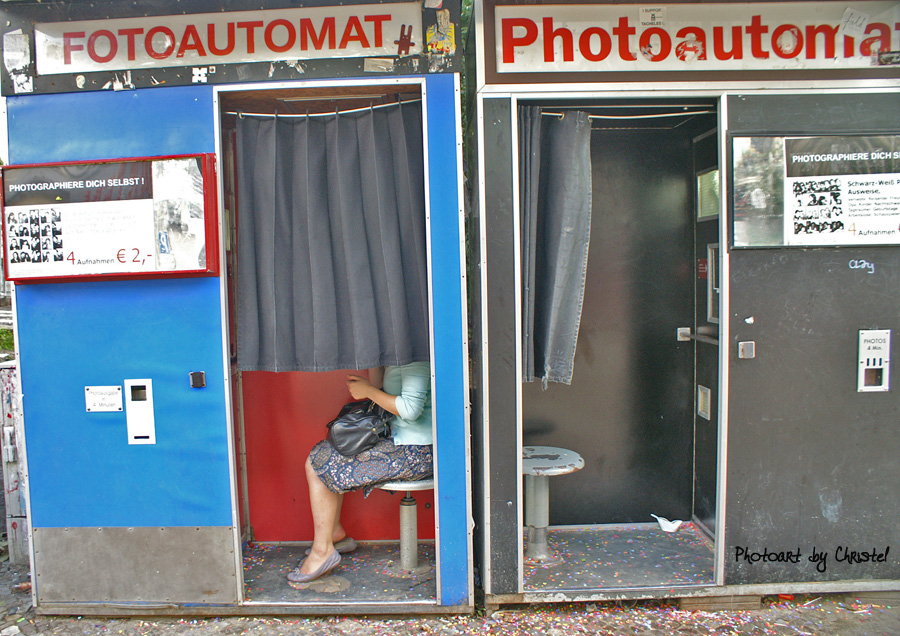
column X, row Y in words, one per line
column 142, row 217
column 696, row 37
column 229, row 38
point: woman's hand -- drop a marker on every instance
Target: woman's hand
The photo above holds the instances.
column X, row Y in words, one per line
column 359, row 387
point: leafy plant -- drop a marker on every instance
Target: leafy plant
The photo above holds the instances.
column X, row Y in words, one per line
column 6, row 340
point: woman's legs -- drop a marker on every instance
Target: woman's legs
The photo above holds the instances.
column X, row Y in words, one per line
column 326, row 512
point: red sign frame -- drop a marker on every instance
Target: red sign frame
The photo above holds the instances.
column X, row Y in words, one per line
column 30, row 184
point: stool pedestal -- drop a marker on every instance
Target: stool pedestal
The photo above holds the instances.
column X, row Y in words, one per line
column 409, row 524
column 537, row 517
column 409, row 533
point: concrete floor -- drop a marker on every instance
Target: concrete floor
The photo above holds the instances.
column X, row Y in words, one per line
column 369, row 574
column 622, row 556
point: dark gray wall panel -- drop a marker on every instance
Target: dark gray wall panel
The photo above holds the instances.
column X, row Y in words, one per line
column 628, row 409
column 501, row 331
column 811, row 462
column 706, row 438
column 815, row 114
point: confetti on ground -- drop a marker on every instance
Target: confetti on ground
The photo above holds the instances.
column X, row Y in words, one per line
column 813, row 616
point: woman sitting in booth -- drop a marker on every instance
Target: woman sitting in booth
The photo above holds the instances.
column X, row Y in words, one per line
column 404, row 391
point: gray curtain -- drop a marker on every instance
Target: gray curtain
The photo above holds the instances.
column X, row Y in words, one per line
column 331, row 241
column 555, row 216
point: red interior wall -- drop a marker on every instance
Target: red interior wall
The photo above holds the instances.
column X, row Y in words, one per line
column 284, row 417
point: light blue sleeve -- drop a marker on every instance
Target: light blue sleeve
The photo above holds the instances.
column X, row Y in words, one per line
column 416, row 384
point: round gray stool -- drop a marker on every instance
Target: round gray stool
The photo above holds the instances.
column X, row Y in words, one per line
column 539, row 464
column 409, row 529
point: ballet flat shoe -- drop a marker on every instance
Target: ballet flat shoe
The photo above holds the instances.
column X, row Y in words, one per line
column 296, row 576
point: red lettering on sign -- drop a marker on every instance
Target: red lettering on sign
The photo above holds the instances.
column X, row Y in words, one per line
column 211, row 40
column 169, row 40
column 510, row 41
column 378, row 19
column 547, row 36
column 694, row 44
column 289, row 41
column 550, row 34
column 308, row 31
column 131, row 36
column 665, row 44
column 584, row 44
column 737, row 50
column 787, row 41
column 353, row 32
column 113, row 46
column 69, row 46
column 828, row 32
column 250, row 27
column 756, row 30
column 624, row 31
column 191, row 41
column 881, row 42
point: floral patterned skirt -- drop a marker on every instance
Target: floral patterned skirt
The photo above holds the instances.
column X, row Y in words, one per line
column 382, row 463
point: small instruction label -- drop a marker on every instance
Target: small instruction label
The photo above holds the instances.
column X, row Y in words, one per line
column 99, row 399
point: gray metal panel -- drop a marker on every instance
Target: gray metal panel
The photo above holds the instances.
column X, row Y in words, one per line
column 706, row 373
column 122, row 565
column 502, row 374
column 826, row 114
column 812, row 464
column 706, row 356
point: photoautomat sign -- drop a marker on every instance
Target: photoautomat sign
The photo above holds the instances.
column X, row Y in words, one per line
column 228, row 38
column 714, row 37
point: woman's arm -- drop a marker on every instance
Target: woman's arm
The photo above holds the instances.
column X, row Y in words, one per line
column 376, row 377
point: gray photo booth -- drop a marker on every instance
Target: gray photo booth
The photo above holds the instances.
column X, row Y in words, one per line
column 689, row 248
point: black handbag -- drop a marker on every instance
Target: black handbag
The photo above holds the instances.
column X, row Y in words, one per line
column 358, row 427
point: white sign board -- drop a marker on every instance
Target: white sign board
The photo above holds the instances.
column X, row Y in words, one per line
column 102, row 399
column 548, row 38
column 238, row 37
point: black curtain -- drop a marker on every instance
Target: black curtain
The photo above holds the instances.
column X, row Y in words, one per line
column 332, row 270
column 555, row 222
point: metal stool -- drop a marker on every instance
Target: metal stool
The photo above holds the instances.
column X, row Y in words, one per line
column 409, row 529
column 539, row 463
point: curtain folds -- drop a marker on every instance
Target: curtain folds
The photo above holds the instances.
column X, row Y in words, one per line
column 331, row 235
column 555, row 224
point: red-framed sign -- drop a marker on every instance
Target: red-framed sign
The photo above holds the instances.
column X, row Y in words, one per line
column 135, row 218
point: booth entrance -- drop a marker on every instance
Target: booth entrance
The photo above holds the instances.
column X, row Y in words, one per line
column 642, row 403
column 280, row 415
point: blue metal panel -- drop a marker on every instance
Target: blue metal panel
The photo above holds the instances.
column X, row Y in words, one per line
column 449, row 363
column 110, row 124
column 82, row 472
